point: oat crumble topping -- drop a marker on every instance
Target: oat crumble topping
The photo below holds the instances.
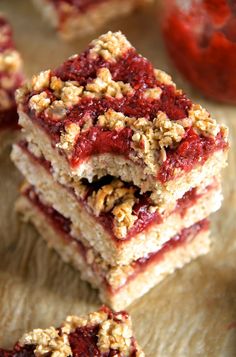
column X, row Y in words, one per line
column 70, row 93
column 203, row 122
column 39, row 102
column 10, row 61
column 115, row 335
column 118, row 199
column 41, row 81
column 104, row 85
column 110, row 45
column 56, row 111
column 163, row 77
column 114, row 120
column 48, row 341
column 152, row 93
column 73, row 322
column 68, row 138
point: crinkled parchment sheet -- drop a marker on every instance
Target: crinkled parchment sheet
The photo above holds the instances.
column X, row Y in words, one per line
column 193, row 312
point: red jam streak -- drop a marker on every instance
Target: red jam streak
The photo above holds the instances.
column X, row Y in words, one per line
column 192, row 151
column 202, row 44
column 98, row 141
column 141, row 209
column 62, row 226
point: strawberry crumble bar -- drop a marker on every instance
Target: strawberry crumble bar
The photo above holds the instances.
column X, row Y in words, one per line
column 122, row 170
column 115, row 218
column 118, row 285
column 102, row 333
column 108, row 111
column 75, row 18
column 10, row 79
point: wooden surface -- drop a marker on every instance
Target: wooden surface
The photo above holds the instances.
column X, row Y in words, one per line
column 193, row 312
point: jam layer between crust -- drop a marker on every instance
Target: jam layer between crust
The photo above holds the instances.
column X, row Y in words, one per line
column 141, row 209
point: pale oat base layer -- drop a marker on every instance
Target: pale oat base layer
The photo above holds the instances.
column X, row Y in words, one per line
column 150, row 240
column 165, row 195
column 134, row 288
column 78, row 24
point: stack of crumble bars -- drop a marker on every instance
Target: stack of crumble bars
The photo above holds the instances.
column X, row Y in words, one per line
column 75, row 18
column 122, row 168
column 10, row 79
column 102, row 334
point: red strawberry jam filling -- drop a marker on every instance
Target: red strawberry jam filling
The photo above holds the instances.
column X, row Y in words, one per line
column 193, row 150
column 62, row 226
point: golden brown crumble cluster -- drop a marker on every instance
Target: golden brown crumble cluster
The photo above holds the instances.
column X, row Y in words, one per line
column 48, row 341
column 110, row 46
column 150, row 138
column 118, row 199
column 114, row 333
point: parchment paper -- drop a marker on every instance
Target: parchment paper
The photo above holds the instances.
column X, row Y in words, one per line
column 193, row 312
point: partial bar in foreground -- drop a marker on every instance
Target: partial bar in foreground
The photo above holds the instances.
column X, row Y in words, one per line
column 102, row 333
